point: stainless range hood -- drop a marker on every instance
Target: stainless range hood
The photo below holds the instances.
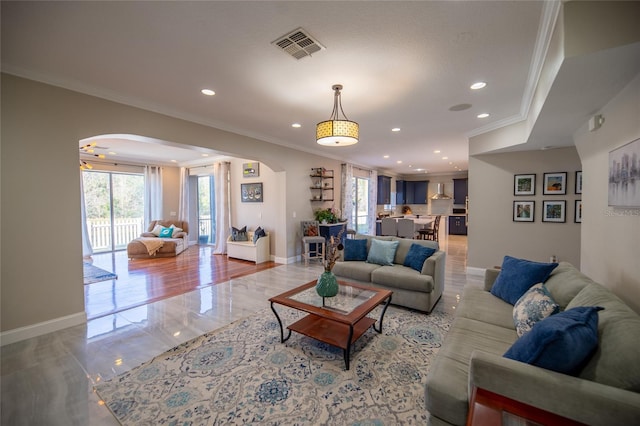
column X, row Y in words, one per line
column 440, row 195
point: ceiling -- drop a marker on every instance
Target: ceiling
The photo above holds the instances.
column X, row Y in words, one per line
column 402, row 64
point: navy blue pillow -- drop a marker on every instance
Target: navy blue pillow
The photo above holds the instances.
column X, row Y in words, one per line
column 258, row 233
column 417, row 255
column 519, row 275
column 355, row 249
column 562, row 342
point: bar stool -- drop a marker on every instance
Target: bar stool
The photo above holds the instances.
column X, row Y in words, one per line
column 351, row 233
column 313, row 244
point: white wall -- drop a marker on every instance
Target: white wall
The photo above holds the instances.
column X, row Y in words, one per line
column 492, row 234
column 610, row 250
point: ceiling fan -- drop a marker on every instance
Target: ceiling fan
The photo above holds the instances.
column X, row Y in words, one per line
column 89, row 149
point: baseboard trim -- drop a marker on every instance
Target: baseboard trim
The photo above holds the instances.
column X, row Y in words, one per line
column 35, row 330
column 475, row 271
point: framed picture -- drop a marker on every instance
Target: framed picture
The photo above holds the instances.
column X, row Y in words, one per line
column 624, row 175
column 250, row 170
column 554, row 211
column 251, row 192
column 578, row 212
column 524, row 184
column 555, row 183
column 579, row 182
column 523, row 211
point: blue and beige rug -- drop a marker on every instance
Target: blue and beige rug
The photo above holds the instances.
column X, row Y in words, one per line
column 93, row 274
column 242, row 374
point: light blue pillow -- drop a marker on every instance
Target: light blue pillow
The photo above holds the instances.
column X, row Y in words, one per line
column 535, row 305
column 382, row 252
column 417, row 255
column 563, row 342
column 355, row 249
column 166, row 233
column 517, row 276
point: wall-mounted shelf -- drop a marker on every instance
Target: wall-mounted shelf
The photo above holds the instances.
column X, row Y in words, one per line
column 322, row 184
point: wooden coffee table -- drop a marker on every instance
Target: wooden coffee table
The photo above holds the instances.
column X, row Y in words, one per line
column 338, row 321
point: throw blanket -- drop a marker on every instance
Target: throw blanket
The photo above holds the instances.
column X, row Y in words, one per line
column 152, row 244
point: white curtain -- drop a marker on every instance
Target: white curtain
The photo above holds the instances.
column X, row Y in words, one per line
column 183, row 208
column 152, row 194
column 87, row 250
column 373, row 201
column 223, row 213
column 347, row 195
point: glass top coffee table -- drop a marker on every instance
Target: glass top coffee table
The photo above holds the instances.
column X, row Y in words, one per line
column 339, row 320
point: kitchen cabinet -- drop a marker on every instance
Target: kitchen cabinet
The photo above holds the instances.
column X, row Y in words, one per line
column 321, row 184
column 457, row 225
column 460, row 190
column 400, row 192
column 384, row 189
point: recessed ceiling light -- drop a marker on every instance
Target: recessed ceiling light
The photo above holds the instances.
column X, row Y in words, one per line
column 437, row 151
column 174, row 161
column 112, row 153
column 399, row 161
column 208, row 92
column 385, row 156
column 483, row 115
column 450, row 162
column 205, row 155
column 296, row 125
column 445, row 158
column 395, row 129
column 478, row 85
column 410, row 166
column 419, row 170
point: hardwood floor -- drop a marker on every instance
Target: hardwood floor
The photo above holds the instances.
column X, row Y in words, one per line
column 142, row 281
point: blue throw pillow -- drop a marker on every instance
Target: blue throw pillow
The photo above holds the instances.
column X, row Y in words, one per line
column 417, row 255
column 239, row 234
column 562, row 342
column 517, row 276
column 382, row 252
column 166, row 233
column 355, row 249
column 258, row 233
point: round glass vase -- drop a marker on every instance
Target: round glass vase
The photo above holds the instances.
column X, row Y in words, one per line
column 327, row 285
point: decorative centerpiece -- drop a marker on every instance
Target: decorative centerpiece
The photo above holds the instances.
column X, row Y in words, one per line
column 328, row 215
column 327, row 285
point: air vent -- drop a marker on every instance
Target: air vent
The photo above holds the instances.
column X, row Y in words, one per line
column 298, row 43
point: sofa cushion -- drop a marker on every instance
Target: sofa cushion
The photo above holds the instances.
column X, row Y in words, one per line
column 615, row 362
column 478, row 304
column 517, row 276
column 402, row 277
column 417, row 255
column 359, row 271
column 535, row 305
column 355, row 250
column 565, row 282
column 562, row 342
column 382, row 252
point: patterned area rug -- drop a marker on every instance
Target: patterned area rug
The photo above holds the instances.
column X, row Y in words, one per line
column 243, row 374
column 93, row 274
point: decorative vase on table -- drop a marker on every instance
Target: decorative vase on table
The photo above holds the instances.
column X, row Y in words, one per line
column 327, row 285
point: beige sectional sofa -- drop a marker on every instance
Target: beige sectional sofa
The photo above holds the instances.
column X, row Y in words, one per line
column 605, row 392
column 170, row 246
column 411, row 288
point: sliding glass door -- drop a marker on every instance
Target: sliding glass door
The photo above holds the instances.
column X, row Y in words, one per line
column 114, row 204
column 361, row 204
column 206, row 210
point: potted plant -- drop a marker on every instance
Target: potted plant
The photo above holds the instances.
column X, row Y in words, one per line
column 325, row 216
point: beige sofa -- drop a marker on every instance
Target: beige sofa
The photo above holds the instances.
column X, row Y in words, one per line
column 605, row 392
column 170, row 247
column 411, row 288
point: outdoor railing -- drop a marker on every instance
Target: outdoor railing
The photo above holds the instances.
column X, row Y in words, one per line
column 125, row 230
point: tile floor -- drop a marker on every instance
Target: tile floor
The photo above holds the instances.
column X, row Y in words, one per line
column 48, row 380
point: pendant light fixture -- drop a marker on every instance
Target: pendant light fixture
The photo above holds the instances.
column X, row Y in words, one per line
column 337, row 131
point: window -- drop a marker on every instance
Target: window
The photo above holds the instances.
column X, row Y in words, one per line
column 360, row 204
column 114, row 204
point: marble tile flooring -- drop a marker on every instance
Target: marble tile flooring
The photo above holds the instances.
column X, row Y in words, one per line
column 48, row 380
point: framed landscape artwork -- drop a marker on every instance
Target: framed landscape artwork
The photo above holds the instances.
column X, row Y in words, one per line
column 624, row 175
column 555, row 183
column 251, row 192
column 523, row 211
column 554, row 211
column 578, row 212
column 579, row 182
column 524, row 184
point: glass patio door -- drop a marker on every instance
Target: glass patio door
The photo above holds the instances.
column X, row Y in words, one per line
column 360, row 204
column 114, row 204
column 206, row 210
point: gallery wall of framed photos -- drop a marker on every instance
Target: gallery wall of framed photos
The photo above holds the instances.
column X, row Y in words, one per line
column 552, row 209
